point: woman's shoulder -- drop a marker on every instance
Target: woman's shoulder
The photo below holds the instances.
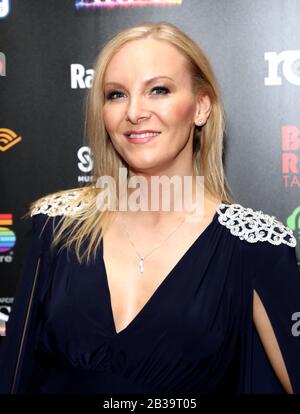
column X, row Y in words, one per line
column 249, row 225
column 61, row 203
column 254, row 226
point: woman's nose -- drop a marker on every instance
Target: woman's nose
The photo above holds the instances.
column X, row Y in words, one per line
column 136, row 111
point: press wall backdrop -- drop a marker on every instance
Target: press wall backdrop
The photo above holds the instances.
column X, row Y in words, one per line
column 47, row 49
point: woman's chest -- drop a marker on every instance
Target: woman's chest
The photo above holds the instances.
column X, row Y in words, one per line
column 198, row 298
column 135, row 272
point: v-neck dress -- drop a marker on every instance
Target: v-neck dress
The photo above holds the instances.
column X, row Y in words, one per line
column 194, row 335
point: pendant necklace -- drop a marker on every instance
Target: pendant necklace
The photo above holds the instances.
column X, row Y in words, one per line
column 142, row 258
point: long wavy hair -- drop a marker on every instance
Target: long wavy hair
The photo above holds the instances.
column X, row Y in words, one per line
column 89, row 223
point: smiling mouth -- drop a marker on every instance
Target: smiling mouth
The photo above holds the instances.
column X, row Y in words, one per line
column 144, row 135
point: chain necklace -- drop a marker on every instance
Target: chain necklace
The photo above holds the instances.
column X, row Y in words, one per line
column 142, row 258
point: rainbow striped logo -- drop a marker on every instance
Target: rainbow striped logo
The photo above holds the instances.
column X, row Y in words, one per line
column 109, row 4
column 7, row 236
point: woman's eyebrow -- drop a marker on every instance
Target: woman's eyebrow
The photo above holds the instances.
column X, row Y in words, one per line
column 145, row 82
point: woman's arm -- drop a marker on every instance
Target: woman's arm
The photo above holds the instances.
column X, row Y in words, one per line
column 269, row 341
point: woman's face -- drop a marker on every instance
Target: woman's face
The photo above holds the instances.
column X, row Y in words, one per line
column 165, row 104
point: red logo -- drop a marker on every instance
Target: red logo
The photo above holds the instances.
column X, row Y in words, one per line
column 290, row 135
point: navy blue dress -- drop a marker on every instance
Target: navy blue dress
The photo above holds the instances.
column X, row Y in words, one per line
column 195, row 334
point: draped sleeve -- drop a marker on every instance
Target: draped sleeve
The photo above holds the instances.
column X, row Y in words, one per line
column 276, row 279
column 17, row 359
column 269, row 268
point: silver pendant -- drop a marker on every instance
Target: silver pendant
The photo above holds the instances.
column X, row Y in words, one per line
column 141, row 265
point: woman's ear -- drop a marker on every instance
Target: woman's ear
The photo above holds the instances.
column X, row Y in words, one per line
column 203, row 109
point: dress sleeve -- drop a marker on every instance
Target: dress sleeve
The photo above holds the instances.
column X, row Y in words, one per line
column 277, row 283
column 17, row 361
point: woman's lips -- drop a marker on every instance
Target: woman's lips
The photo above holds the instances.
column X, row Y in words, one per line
column 143, row 138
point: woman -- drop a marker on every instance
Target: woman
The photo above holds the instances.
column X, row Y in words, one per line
column 114, row 301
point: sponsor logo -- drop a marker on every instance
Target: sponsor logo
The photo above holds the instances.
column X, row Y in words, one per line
column 2, row 64
column 290, row 144
column 8, row 139
column 293, row 222
column 4, row 8
column 7, row 238
column 85, row 164
column 109, row 4
column 289, row 61
column 80, row 77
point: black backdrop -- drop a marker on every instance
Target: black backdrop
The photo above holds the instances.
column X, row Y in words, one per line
column 47, row 49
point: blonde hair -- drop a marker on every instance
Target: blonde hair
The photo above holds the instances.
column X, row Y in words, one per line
column 90, row 223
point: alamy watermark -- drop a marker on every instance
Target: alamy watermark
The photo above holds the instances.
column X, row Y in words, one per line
column 162, row 193
column 296, row 326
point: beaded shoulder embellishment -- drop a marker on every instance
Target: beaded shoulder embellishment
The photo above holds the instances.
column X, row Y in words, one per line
column 58, row 204
column 254, row 226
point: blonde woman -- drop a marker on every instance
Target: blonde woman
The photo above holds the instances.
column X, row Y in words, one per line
column 144, row 300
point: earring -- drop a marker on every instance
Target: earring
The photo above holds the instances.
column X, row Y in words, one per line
column 200, row 122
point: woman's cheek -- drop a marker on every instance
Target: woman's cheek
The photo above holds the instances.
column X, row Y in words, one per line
column 183, row 112
column 110, row 121
column 175, row 112
column 105, row 118
column 167, row 111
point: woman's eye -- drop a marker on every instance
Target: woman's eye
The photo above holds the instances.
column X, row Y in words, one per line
column 111, row 95
column 161, row 88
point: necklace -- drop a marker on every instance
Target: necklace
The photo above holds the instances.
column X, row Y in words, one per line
column 142, row 258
